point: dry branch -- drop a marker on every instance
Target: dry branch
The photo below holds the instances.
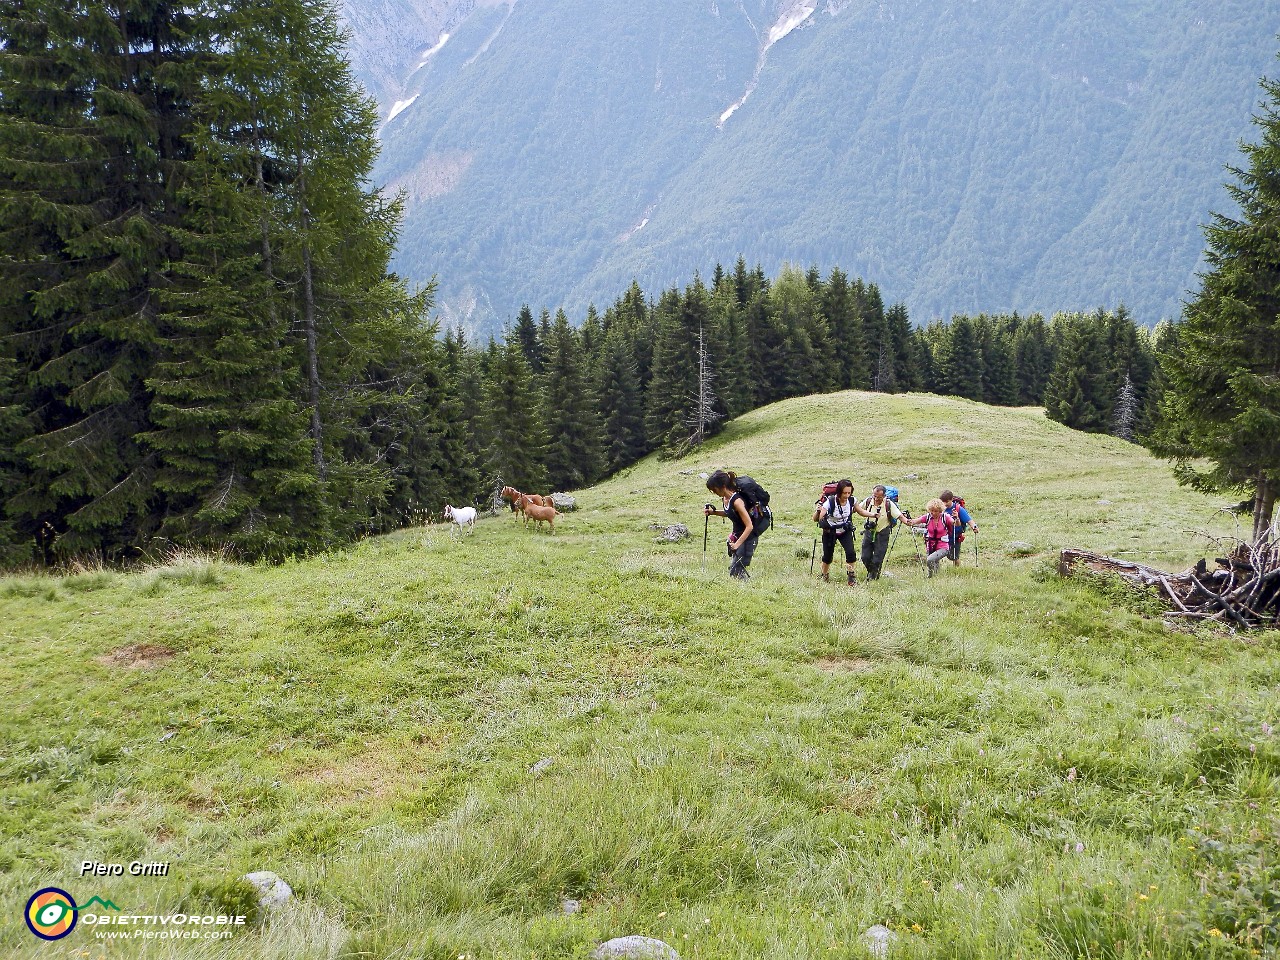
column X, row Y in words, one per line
column 1244, row 587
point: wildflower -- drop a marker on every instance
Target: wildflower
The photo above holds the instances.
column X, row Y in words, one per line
column 662, row 914
column 917, row 928
column 1215, row 932
column 1079, row 847
column 1253, row 747
column 1071, row 774
column 1153, row 887
column 1143, row 896
column 1266, row 729
column 1203, row 781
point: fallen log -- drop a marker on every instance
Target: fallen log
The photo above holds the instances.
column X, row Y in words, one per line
column 1242, row 593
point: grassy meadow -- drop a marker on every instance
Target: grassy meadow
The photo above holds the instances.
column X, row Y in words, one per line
column 437, row 740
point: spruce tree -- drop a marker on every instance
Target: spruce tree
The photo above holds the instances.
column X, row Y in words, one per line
column 1076, row 392
column 1222, row 385
column 847, row 336
column 1033, row 360
column 517, row 437
column 94, row 118
column 674, row 385
column 570, row 411
column 622, row 402
column 906, row 364
column 526, row 334
column 960, row 364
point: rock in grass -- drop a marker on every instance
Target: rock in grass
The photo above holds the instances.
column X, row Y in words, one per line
column 570, row 907
column 1021, row 547
column 879, row 939
column 541, row 766
column 673, row 533
column 272, row 891
column 634, row 948
column 563, row 502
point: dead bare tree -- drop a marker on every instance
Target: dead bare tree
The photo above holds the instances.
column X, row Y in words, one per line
column 704, row 414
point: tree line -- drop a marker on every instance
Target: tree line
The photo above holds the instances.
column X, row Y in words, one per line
column 554, row 405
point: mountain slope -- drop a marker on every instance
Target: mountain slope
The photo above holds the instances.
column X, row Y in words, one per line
column 964, row 155
column 436, row 740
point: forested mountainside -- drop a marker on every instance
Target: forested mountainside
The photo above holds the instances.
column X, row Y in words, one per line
column 965, row 156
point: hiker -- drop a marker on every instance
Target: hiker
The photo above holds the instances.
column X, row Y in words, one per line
column 883, row 515
column 937, row 533
column 834, row 514
column 953, row 506
column 746, row 504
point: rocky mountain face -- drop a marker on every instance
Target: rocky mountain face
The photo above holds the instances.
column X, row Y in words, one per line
column 966, row 155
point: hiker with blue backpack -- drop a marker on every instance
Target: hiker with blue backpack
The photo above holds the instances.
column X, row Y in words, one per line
column 953, row 507
column 883, row 515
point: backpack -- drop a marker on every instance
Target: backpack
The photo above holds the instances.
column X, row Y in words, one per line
column 960, row 528
column 754, row 494
column 890, row 494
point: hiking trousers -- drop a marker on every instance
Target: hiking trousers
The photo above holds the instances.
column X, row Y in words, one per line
column 829, row 541
column 740, row 559
column 935, row 558
column 874, row 547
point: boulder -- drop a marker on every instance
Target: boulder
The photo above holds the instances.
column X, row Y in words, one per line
column 570, row 907
column 563, row 502
column 634, row 948
column 272, row 891
column 673, row 533
column 1019, row 547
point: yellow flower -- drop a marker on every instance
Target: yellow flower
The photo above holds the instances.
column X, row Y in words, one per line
column 917, row 928
column 1215, row 932
column 1143, row 896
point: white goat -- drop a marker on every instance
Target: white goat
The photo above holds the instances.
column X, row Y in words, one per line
column 463, row 516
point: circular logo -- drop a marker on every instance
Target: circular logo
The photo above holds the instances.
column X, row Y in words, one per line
column 51, row 913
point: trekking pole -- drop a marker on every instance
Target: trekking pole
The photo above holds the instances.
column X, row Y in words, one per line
column 813, row 555
column 706, row 519
column 976, row 558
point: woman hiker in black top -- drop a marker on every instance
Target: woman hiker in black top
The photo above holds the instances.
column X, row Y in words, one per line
column 746, row 527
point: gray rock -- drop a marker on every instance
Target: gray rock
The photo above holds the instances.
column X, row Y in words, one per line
column 1104, row 503
column 911, row 476
column 541, row 765
column 570, row 907
column 272, row 891
column 879, row 939
column 1021, row 546
column 634, row 948
column 686, row 473
column 673, row 533
column 563, row 502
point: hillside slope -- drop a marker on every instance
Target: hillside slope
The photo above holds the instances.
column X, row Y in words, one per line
column 965, row 156
column 436, row 740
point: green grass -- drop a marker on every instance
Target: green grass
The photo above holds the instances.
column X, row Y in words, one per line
column 995, row 763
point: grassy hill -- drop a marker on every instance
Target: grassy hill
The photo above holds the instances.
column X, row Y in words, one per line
column 995, row 763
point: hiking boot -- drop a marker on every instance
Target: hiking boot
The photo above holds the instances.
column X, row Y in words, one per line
column 853, row 579
column 825, row 577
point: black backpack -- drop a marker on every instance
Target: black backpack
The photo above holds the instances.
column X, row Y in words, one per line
column 756, row 496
